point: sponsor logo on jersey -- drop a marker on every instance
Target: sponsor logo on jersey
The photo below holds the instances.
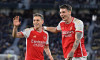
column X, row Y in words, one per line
column 38, row 43
column 67, row 33
column 62, row 28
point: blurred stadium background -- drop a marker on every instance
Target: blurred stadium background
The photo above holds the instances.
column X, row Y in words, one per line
column 14, row 48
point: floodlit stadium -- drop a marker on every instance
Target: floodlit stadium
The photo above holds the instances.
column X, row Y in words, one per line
column 15, row 48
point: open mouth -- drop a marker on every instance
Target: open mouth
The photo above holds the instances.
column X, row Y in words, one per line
column 63, row 17
column 36, row 24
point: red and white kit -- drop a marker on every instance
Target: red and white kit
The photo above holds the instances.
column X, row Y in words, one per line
column 35, row 42
column 68, row 37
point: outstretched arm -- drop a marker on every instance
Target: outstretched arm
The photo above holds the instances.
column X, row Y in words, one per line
column 51, row 29
column 16, row 23
column 47, row 50
column 78, row 37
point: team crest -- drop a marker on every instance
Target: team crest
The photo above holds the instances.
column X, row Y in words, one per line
column 44, row 37
column 34, row 36
column 62, row 28
column 71, row 28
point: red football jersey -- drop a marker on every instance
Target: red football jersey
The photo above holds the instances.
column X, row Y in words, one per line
column 35, row 42
column 68, row 37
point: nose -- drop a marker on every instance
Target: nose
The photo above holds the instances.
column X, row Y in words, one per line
column 34, row 21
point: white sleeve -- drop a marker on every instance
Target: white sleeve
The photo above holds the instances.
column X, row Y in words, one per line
column 58, row 27
column 79, row 26
column 47, row 42
column 26, row 32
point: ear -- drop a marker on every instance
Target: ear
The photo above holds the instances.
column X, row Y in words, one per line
column 42, row 21
column 70, row 12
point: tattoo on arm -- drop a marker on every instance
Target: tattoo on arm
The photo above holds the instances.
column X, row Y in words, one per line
column 71, row 54
column 78, row 36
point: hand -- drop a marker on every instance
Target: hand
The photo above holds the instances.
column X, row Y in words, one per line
column 16, row 21
column 68, row 59
column 70, row 55
column 51, row 58
column 44, row 27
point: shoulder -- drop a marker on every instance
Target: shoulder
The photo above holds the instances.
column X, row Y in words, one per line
column 61, row 21
column 29, row 29
column 77, row 21
column 45, row 32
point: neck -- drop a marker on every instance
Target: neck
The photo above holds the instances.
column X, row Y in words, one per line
column 68, row 20
column 38, row 29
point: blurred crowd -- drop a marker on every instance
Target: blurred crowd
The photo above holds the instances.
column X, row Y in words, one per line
column 6, row 26
column 10, row 1
column 54, row 1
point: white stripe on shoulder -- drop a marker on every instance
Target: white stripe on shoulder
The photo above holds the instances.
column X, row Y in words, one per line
column 78, row 25
column 78, row 21
column 62, row 21
column 27, row 31
column 59, row 27
column 32, row 28
column 45, row 32
column 47, row 42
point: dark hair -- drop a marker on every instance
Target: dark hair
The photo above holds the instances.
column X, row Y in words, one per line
column 66, row 6
column 38, row 14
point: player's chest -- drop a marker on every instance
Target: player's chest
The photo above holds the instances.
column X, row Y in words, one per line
column 37, row 39
column 68, row 27
column 38, row 36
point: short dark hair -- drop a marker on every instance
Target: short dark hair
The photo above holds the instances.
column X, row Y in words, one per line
column 66, row 6
column 38, row 14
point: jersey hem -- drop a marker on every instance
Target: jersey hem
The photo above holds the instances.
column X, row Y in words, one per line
column 78, row 31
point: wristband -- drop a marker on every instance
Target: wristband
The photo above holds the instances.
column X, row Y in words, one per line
column 45, row 28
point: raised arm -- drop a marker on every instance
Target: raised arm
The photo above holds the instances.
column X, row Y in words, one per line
column 16, row 23
column 47, row 50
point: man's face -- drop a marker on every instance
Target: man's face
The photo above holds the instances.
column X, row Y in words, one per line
column 64, row 14
column 37, row 22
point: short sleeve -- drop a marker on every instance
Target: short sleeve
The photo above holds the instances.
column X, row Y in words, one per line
column 26, row 32
column 79, row 26
column 59, row 26
column 47, row 42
